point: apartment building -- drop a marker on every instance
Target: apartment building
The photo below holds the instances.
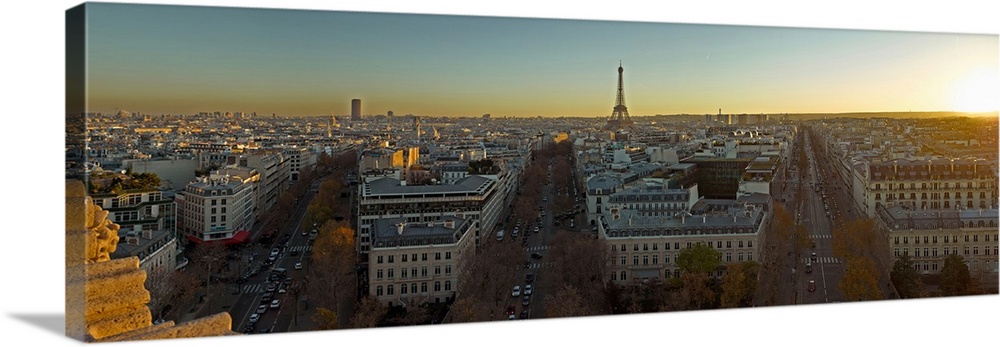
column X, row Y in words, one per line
column 216, row 207
column 930, row 235
column 647, row 229
column 147, row 221
column 413, row 263
column 946, row 184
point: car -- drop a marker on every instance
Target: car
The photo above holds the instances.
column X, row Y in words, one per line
column 510, row 309
column 524, row 314
column 275, row 303
column 304, row 232
column 267, row 297
column 529, row 277
column 261, row 309
column 536, row 255
column 249, row 328
column 527, row 289
column 813, row 256
column 282, row 290
column 272, row 287
column 275, row 251
column 809, row 268
column 254, row 318
column 526, row 301
column 812, row 285
column 511, row 317
column 298, row 266
column 516, row 292
column 286, row 281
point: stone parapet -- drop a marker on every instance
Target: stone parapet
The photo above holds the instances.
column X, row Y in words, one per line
column 106, row 300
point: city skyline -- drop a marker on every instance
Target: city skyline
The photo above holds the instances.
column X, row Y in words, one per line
column 181, row 59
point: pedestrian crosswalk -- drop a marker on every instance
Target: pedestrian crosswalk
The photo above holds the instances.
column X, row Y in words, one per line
column 821, row 236
column 254, row 288
column 537, row 248
column 540, row 265
column 300, row 249
column 821, row 260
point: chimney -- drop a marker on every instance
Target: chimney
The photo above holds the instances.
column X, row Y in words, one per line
column 450, row 224
column 399, row 228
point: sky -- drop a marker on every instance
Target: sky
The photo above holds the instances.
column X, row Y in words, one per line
column 184, row 59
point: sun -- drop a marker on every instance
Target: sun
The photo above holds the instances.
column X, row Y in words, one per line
column 979, row 91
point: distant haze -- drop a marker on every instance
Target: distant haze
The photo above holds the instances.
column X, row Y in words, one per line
column 177, row 59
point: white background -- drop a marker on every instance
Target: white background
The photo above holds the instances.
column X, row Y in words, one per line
column 31, row 237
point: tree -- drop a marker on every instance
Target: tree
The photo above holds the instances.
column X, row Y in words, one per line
column 860, row 281
column 368, row 313
column 694, row 293
column 580, row 262
column 955, row 278
column 739, row 284
column 566, row 302
column 905, row 278
column 325, row 319
column 332, row 278
column 699, row 258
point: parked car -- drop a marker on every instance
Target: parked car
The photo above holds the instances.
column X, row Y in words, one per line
column 526, row 301
column 254, row 318
column 812, row 285
column 516, row 292
column 298, row 266
column 275, row 303
column 261, row 309
column 529, row 277
column 527, row 289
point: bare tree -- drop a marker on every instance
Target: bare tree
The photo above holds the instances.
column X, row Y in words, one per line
column 368, row 313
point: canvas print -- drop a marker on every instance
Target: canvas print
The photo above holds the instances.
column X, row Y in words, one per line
column 239, row 171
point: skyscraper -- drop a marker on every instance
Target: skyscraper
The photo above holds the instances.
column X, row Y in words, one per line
column 355, row 109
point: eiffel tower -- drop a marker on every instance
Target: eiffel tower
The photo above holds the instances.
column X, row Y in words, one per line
column 619, row 115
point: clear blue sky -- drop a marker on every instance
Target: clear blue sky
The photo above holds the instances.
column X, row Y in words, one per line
column 176, row 59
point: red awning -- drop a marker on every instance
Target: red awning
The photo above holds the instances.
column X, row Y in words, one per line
column 238, row 238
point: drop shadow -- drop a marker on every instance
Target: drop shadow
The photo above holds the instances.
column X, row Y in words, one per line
column 52, row 322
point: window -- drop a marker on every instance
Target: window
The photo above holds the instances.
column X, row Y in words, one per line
column 741, row 243
column 623, row 275
column 645, row 260
column 895, row 252
column 718, row 244
column 437, row 286
column 975, row 238
column 916, row 239
column 413, row 288
column 654, row 246
column 729, row 244
column 645, row 247
column 635, row 247
column 623, row 247
column 378, row 290
column 447, row 255
column 390, row 272
column 934, row 239
column 623, row 260
column 741, row 256
column 437, row 270
column 423, row 271
column 378, row 260
column 677, row 245
column 388, row 290
column 447, row 269
column 423, row 287
column 635, row 260
column 402, row 258
column 423, row 256
column 688, row 244
column 379, row 274
column 447, row 285
column 655, row 259
column 390, row 259
column 402, row 273
column 437, row 256
column 749, row 256
column 402, row 289
column 906, row 240
column 896, row 240
column 729, row 257
column 413, row 273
